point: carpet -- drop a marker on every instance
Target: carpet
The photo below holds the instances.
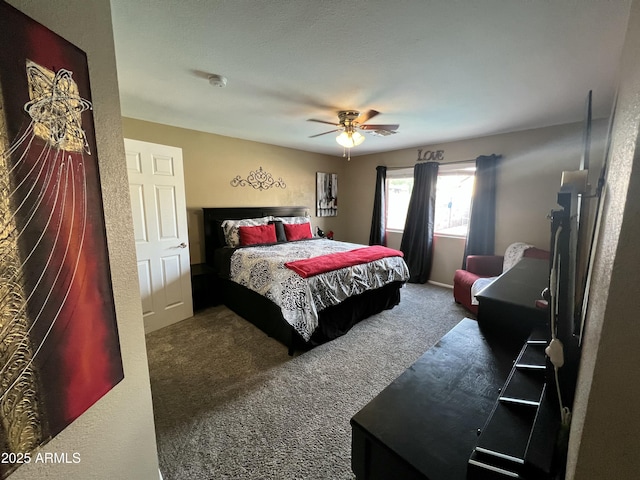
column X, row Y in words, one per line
column 230, row 403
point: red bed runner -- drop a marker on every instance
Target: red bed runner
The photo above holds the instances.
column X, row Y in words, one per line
column 309, row 267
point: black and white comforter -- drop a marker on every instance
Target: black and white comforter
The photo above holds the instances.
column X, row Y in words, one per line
column 262, row 270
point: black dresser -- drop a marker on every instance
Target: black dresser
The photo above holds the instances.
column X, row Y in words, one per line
column 451, row 416
column 425, row 424
column 508, row 306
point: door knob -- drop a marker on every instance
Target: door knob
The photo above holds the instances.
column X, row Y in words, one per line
column 182, row 245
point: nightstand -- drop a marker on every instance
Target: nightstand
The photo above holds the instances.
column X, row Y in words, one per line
column 204, row 288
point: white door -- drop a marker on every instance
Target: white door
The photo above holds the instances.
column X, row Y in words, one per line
column 156, row 185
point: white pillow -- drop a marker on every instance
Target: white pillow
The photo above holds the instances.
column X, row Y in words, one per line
column 231, row 231
column 293, row 220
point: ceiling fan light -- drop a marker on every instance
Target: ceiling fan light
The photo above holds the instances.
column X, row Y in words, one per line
column 344, row 140
column 357, row 137
column 349, row 139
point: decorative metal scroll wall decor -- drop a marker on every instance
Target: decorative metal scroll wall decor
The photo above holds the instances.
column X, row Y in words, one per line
column 60, row 348
column 258, row 179
column 430, row 155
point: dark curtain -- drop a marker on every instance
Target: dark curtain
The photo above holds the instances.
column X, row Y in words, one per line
column 378, row 235
column 417, row 240
column 482, row 221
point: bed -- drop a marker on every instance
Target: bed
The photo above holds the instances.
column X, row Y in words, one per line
column 264, row 282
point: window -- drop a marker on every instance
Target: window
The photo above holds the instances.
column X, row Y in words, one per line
column 453, row 198
column 399, row 186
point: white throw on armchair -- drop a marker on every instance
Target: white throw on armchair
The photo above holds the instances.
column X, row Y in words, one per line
column 512, row 255
column 489, row 266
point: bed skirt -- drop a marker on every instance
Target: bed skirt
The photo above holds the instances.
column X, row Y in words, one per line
column 333, row 322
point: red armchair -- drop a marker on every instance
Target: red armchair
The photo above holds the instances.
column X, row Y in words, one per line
column 479, row 266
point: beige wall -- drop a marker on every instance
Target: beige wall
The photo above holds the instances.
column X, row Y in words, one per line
column 212, row 161
column 605, row 440
column 447, row 258
column 116, row 436
column 528, row 183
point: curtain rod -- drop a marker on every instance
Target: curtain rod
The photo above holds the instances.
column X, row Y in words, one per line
column 440, row 163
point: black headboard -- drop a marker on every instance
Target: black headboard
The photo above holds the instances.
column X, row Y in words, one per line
column 213, row 217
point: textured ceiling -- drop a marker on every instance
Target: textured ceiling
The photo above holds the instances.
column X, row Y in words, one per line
column 444, row 70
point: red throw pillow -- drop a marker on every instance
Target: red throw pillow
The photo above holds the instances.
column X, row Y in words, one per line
column 297, row 231
column 257, row 235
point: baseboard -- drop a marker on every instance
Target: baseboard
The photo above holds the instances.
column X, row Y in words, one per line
column 438, row 284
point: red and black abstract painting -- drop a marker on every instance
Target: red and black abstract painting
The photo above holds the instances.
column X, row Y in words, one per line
column 59, row 346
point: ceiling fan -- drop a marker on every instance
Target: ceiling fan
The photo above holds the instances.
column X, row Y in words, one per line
column 350, row 121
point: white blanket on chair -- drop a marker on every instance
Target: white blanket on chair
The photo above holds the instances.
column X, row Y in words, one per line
column 478, row 285
column 513, row 255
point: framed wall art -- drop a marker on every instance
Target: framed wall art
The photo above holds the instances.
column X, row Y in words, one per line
column 60, row 348
column 326, row 194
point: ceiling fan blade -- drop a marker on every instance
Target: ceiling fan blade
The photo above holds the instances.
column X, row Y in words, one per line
column 365, row 117
column 330, row 131
column 379, row 127
column 322, row 121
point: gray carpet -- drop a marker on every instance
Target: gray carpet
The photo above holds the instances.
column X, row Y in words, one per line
column 229, row 403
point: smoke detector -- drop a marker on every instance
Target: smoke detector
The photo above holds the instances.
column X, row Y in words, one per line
column 217, row 80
